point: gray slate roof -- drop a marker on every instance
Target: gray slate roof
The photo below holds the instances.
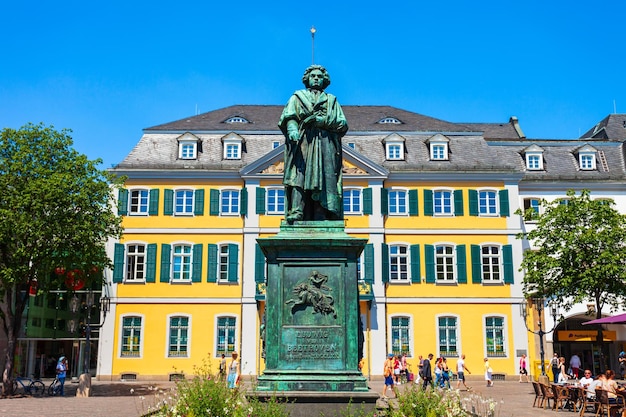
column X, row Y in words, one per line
column 473, row 147
column 612, row 127
column 360, row 119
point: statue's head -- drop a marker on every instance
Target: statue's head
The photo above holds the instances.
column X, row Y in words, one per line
column 307, row 76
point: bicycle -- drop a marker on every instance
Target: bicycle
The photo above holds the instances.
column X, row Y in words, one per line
column 54, row 388
column 30, row 386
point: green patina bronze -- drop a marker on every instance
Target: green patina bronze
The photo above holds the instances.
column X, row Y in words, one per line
column 312, row 313
column 312, row 333
column 313, row 124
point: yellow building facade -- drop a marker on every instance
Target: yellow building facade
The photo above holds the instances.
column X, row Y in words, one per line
column 440, row 273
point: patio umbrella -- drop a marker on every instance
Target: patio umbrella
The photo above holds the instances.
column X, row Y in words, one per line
column 617, row 319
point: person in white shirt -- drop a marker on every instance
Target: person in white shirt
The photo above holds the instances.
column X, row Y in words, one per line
column 460, row 370
column 588, row 383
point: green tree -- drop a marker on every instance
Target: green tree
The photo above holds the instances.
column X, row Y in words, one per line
column 578, row 253
column 56, row 214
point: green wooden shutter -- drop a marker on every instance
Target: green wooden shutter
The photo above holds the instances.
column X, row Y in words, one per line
column 198, row 203
column 122, row 202
column 166, row 262
column 477, row 265
column 429, row 252
column 243, row 201
column 259, row 264
column 367, row 201
column 413, row 203
column 168, row 202
column 473, row 203
column 504, row 203
column 507, row 260
column 260, row 200
column 151, row 259
column 428, row 203
column 461, row 264
column 214, row 202
column 385, row 262
column 118, row 262
column 196, row 266
column 153, row 204
column 212, row 263
column 368, row 253
column 384, row 201
column 458, row 202
column 233, row 262
column 415, row 264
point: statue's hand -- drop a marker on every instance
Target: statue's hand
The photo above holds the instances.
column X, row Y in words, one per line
column 319, row 121
column 294, row 135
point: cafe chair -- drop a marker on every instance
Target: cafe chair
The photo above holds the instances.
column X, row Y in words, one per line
column 548, row 395
column 561, row 396
column 604, row 406
column 538, row 394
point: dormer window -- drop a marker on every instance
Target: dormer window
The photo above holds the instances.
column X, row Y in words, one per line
column 233, row 144
column 534, row 158
column 389, row 120
column 236, row 119
column 587, row 158
column 394, row 147
column 188, row 146
column 438, row 147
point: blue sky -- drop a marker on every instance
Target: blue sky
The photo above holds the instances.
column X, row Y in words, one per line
column 107, row 70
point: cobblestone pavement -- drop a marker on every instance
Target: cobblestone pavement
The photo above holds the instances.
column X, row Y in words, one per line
column 115, row 399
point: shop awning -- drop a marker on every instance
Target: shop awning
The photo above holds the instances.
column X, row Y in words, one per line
column 617, row 319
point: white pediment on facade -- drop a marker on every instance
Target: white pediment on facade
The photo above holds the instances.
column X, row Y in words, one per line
column 353, row 164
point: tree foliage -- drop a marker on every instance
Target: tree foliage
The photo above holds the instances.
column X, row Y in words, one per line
column 578, row 252
column 56, row 212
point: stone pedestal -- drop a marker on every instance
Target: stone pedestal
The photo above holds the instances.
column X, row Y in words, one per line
column 312, row 311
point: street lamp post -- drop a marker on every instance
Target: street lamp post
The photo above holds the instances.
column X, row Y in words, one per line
column 539, row 304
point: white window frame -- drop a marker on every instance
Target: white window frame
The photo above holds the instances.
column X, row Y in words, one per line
column 232, row 148
column 184, row 198
column 168, row 334
column 395, row 151
column 187, row 149
column 495, row 265
column 527, row 202
column 445, row 264
column 274, row 201
column 457, row 332
column 227, row 205
column 488, row 199
column 395, row 347
column 234, row 328
column 534, row 161
column 353, row 200
column 389, row 120
column 587, row 161
column 181, row 272
column 140, row 343
column 236, row 119
column 223, row 255
column 504, row 354
column 137, row 266
column 138, row 205
column 444, row 199
column 399, row 263
column 439, row 151
column 398, row 200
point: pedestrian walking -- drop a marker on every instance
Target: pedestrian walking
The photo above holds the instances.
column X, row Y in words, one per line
column 460, row 371
column 388, row 374
column 488, row 373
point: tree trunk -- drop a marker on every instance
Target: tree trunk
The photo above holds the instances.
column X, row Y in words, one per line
column 13, row 309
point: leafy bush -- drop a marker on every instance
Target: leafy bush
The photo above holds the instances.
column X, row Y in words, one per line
column 205, row 395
